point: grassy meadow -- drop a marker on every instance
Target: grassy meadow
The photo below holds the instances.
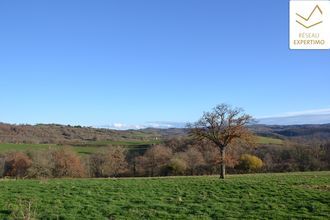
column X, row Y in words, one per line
column 86, row 148
column 255, row 196
column 268, row 140
column 92, row 146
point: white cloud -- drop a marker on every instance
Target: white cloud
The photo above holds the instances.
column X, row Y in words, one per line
column 324, row 111
column 315, row 116
column 157, row 124
column 120, row 126
column 165, row 124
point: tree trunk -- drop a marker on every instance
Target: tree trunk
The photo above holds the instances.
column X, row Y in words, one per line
column 134, row 168
column 222, row 164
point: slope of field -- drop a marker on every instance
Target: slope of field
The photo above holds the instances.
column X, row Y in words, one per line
column 92, row 146
column 260, row 196
column 87, row 148
column 268, row 140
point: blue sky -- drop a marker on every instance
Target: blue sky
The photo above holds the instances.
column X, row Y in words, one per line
column 103, row 61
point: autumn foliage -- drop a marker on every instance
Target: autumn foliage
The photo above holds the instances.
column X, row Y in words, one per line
column 173, row 157
column 17, row 164
column 66, row 163
column 108, row 163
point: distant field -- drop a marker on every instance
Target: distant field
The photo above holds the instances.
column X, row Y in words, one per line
column 82, row 149
column 91, row 147
column 27, row 147
column 22, row 147
column 267, row 140
column 260, row 196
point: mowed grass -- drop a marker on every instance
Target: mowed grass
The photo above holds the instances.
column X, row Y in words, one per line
column 260, row 196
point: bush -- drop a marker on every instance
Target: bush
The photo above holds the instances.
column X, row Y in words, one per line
column 17, row 164
column 42, row 166
column 66, row 163
column 250, row 163
column 177, row 166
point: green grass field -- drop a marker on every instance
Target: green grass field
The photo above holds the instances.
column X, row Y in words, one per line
column 268, row 140
column 91, row 147
column 260, row 196
column 87, row 148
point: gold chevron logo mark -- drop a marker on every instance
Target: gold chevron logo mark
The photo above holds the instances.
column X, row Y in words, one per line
column 307, row 19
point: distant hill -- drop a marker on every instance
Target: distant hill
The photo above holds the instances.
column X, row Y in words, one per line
column 65, row 134
column 298, row 133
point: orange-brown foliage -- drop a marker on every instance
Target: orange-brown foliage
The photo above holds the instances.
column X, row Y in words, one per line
column 66, row 163
column 17, row 164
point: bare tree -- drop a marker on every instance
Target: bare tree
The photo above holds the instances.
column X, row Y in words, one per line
column 193, row 158
column 154, row 159
column 222, row 126
column 108, row 163
column 66, row 163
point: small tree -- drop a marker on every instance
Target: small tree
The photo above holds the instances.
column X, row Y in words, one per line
column 222, row 126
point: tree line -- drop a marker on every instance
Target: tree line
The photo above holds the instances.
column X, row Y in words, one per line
column 220, row 139
column 174, row 157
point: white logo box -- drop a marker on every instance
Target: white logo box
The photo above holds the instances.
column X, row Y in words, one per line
column 309, row 24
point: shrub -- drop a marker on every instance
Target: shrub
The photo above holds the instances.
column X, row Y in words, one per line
column 42, row 166
column 177, row 166
column 66, row 163
column 250, row 163
column 17, row 164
